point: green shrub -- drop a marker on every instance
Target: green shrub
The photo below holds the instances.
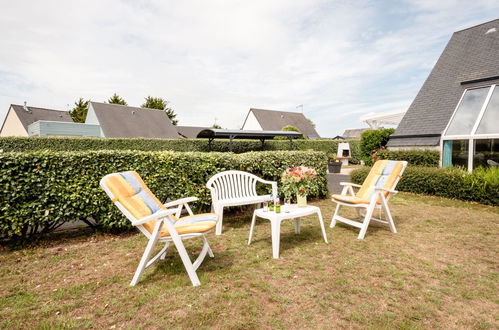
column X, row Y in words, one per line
column 41, row 190
column 79, row 143
column 482, row 185
column 413, row 157
column 372, row 140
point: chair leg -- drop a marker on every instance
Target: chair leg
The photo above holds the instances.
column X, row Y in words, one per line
column 367, row 219
column 186, row 260
column 147, row 254
column 388, row 215
column 163, row 256
column 220, row 213
column 321, row 222
column 333, row 220
column 252, row 228
column 210, row 252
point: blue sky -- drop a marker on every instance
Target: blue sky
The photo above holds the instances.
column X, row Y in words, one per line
column 216, row 59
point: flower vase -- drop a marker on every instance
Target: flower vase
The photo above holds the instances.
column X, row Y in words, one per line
column 301, row 200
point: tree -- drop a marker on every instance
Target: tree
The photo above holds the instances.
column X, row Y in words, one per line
column 373, row 140
column 116, row 99
column 289, row 128
column 79, row 112
column 160, row 104
column 311, row 122
column 216, row 126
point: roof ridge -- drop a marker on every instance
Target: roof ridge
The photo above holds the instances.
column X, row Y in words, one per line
column 29, row 106
column 276, row 110
column 126, row 106
column 474, row 26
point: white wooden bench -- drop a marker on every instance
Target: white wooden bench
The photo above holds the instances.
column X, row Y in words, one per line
column 235, row 188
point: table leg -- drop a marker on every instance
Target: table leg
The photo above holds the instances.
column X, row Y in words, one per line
column 251, row 228
column 297, row 225
column 276, row 237
column 319, row 214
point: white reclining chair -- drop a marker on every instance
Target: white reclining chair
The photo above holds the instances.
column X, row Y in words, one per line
column 159, row 222
column 235, row 188
column 374, row 193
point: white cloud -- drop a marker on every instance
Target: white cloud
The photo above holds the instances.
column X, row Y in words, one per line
column 219, row 58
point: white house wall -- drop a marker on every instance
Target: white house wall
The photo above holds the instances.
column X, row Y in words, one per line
column 251, row 123
column 12, row 126
column 92, row 118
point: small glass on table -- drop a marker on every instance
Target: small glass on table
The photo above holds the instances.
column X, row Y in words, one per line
column 265, row 206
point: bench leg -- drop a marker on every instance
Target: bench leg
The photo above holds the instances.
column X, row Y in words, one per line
column 220, row 212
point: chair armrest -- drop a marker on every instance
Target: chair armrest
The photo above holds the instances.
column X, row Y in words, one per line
column 385, row 189
column 180, row 201
column 350, row 184
column 157, row 215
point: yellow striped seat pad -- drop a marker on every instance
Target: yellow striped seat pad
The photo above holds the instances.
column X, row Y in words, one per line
column 383, row 174
column 198, row 223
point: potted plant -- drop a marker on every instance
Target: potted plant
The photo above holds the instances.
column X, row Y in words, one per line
column 334, row 164
column 299, row 180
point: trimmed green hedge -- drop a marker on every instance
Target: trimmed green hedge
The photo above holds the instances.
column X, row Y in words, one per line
column 413, row 157
column 482, row 185
column 41, row 190
column 9, row 144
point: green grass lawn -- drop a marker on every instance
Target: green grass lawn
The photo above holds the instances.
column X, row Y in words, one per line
column 439, row 271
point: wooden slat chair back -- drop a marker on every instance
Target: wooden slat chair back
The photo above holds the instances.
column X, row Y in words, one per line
column 235, row 188
column 374, row 193
column 158, row 222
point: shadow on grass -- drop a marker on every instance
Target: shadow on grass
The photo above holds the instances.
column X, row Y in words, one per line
column 172, row 267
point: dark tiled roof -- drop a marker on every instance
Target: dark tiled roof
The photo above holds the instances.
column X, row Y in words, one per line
column 35, row 114
column 470, row 54
column 354, row 133
column 190, row 132
column 273, row 120
column 124, row 121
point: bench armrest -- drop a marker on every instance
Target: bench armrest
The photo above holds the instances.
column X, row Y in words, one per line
column 157, row 215
column 272, row 183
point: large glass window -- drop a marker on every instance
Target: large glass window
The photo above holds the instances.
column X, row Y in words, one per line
column 471, row 139
column 490, row 120
column 467, row 112
column 455, row 153
column 486, row 153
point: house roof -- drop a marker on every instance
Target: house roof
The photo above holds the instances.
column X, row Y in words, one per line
column 190, row 132
column 354, row 133
column 125, row 121
column 470, row 59
column 273, row 120
column 35, row 114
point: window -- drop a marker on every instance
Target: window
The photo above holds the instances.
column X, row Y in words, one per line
column 486, row 153
column 456, row 153
column 490, row 120
column 471, row 138
column 467, row 111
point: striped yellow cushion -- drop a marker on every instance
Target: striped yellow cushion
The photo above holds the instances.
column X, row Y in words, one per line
column 383, row 174
column 129, row 189
column 350, row 199
column 199, row 223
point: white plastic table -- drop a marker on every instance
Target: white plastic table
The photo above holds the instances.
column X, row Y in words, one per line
column 294, row 212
